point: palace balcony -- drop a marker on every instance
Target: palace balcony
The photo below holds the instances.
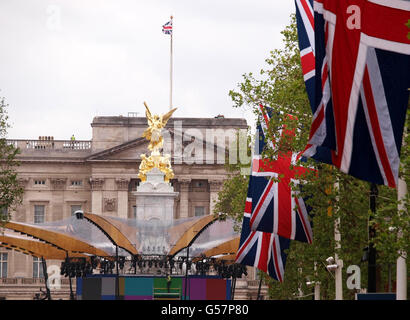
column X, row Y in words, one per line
column 52, row 148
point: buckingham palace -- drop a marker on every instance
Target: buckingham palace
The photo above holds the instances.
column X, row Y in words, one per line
column 100, row 176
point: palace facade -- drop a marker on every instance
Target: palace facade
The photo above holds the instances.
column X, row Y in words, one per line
column 100, row 176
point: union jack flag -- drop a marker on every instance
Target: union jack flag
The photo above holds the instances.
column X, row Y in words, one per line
column 262, row 250
column 275, row 208
column 361, row 86
column 305, row 22
column 167, row 28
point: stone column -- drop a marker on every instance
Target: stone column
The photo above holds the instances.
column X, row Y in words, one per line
column 57, row 199
column 20, row 214
column 183, row 197
column 122, row 187
column 215, row 185
column 96, row 195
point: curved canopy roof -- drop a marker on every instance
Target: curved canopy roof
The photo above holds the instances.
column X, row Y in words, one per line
column 192, row 233
column 112, row 231
column 34, row 248
column 229, row 247
column 59, row 240
column 97, row 235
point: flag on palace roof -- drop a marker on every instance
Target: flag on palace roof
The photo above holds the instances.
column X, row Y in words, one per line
column 167, row 28
column 359, row 95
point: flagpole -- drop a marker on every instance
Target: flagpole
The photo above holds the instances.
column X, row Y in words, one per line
column 171, row 66
column 401, row 271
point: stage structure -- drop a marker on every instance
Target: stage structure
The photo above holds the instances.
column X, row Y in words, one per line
column 99, row 246
column 113, row 258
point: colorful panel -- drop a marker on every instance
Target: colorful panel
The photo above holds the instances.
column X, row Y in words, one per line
column 121, row 284
column 138, row 297
column 215, row 289
column 228, row 289
column 79, row 287
column 138, row 286
column 91, row 288
column 108, row 286
column 161, row 288
column 100, row 287
column 197, row 289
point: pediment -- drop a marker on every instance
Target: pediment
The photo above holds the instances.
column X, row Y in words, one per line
column 132, row 150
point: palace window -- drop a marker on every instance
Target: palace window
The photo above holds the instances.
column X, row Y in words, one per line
column 39, row 182
column 74, row 208
column 199, row 211
column 37, row 268
column 39, row 213
column 3, row 264
column 134, row 211
column 76, row 183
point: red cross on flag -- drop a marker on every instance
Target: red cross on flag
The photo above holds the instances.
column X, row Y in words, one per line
column 274, row 206
column 362, row 69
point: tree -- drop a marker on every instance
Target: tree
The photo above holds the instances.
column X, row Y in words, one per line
column 10, row 191
column 280, row 85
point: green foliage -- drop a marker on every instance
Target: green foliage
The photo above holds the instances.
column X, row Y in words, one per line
column 333, row 195
column 231, row 199
column 10, row 190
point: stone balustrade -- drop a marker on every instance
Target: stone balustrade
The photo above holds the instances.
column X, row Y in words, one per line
column 40, row 145
column 30, row 281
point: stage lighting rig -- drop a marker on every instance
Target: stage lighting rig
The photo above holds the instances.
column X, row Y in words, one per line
column 121, row 262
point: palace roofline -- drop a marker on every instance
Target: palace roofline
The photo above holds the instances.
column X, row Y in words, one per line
column 191, row 122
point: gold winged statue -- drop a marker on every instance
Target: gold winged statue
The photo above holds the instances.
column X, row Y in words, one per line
column 155, row 125
column 153, row 134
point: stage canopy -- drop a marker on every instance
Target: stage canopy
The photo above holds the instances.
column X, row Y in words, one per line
column 100, row 235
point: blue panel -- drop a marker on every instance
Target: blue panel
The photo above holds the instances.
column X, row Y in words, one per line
column 228, row 289
column 79, row 287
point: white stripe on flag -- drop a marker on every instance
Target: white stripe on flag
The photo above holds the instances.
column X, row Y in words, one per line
column 352, row 109
column 306, row 22
column 275, row 208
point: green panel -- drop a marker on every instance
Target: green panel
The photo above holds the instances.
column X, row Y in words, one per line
column 161, row 289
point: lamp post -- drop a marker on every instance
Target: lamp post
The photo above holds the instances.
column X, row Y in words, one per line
column 186, row 272
column 117, row 280
column 401, row 268
column 259, row 288
column 69, row 278
column 43, row 262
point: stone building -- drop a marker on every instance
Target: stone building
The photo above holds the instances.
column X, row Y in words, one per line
column 100, row 176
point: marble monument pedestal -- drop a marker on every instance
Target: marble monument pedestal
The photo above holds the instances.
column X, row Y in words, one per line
column 155, row 212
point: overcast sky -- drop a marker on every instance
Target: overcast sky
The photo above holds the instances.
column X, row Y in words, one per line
column 65, row 62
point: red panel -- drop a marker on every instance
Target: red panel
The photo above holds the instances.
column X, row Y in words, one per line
column 215, row 289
